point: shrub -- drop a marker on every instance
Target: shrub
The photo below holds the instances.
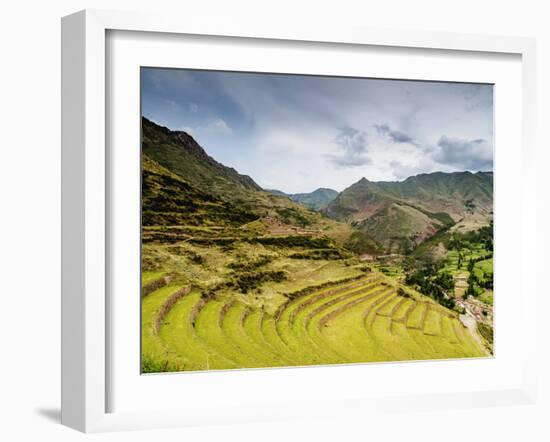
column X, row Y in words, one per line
column 249, row 281
column 290, row 215
column 295, row 241
column 149, row 365
column 359, row 242
column 251, row 265
column 486, row 331
column 195, row 257
column 431, row 283
column 403, row 293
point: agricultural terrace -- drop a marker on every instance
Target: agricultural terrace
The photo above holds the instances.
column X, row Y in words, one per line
column 364, row 318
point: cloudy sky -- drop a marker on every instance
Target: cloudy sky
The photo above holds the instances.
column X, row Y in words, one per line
column 297, row 133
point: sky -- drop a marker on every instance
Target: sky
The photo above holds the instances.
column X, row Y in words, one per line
column 297, row 133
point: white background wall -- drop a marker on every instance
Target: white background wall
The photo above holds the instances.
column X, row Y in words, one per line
column 30, row 220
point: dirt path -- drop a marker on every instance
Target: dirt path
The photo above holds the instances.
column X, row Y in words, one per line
column 471, row 324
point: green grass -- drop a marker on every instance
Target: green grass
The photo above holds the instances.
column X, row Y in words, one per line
column 486, row 331
column 359, row 320
column 485, row 266
column 487, row 297
column 153, row 349
column 432, row 325
column 458, row 269
column 148, row 277
column 392, row 271
column 180, row 336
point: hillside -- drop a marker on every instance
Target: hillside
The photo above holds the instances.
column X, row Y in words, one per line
column 234, row 276
column 168, row 199
column 185, row 193
column 401, row 215
column 360, row 318
column 178, row 152
column 316, row 200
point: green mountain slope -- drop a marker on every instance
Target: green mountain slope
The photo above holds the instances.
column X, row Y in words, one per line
column 168, row 199
column 186, row 193
column 316, row 200
column 457, row 193
column 183, row 185
column 401, row 215
column 179, row 153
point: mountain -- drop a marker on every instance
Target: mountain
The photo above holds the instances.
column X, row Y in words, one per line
column 186, row 193
column 169, row 200
column 316, row 200
column 178, row 152
column 183, row 186
column 278, row 192
column 400, row 215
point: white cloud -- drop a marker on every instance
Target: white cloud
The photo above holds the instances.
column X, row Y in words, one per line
column 218, row 125
column 297, row 133
column 214, row 128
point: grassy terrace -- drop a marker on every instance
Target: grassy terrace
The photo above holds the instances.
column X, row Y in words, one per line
column 149, row 277
column 360, row 319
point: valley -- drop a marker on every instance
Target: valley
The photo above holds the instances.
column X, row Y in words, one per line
column 235, row 276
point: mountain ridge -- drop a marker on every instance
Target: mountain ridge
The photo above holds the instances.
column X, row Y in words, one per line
column 396, row 215
column 316, row 200
column 186, row 190
column 402, row 214
column 180, row 153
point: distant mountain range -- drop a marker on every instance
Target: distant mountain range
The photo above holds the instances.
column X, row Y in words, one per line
column 316, row 200
column 400, row 215
column 182, row 184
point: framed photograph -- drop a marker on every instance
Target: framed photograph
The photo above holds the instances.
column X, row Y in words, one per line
column 274, row 222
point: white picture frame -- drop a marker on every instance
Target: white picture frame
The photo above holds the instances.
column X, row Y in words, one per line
column 86, row 356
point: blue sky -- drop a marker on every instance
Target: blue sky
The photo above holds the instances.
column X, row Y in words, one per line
column 296, row 133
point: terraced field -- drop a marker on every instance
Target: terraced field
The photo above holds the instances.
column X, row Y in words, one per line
column 367, row 319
